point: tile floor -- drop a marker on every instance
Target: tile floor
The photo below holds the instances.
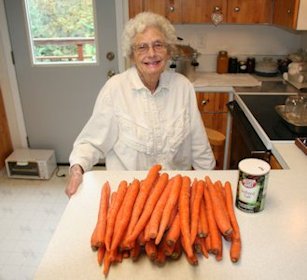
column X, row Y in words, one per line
column 29, row 213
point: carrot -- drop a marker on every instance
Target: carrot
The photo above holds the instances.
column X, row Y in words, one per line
column 100, row 254
column 97, row 239
column 172, row 217
column 170, row 204
column 122, row 188
column 135, row 252
column 151, row 249
column 213, row 229
column 161, row 257
column 141, row 238
column 106, row 263
column 184, row 215
column 141, row 199
column 219, row 208
column 122, row 220
column 149, row 206
column 203, row 223
column 177, row 250
column 236, row 246
column 203, row 247
column 192, row 194
column 192, row 259
column 173, row 233
column 153, row 224
column 199, row 192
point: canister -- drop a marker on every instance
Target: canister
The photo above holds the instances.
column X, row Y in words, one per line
column 252, row 184
column 222, row 62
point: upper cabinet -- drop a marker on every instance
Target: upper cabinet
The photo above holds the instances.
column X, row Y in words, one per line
column 290, row 14
column 171, row 9
column 249, row 11
column 201, row 11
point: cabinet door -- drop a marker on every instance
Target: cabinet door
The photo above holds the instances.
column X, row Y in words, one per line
column 171, row 9
column 249, row 11
column 285, row 13
column 200, row 11
column 213, row 109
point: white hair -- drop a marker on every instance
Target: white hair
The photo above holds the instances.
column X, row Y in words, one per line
column 139, row 23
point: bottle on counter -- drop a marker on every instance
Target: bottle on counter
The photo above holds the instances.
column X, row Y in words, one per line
column 250, row 64
column 233, row 65
column 222, row 62
column 242, row 66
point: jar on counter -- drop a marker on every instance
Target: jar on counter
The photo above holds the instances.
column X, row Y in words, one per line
column 233, row 65
column 222, row 62
column 242, row 66
column 250, row 64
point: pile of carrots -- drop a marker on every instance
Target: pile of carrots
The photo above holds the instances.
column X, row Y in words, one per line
column 163, row 217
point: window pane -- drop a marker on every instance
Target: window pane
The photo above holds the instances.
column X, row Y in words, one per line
column 61, row 31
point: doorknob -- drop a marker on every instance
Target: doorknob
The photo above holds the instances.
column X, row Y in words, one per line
column 110, row 56
column 111, row 73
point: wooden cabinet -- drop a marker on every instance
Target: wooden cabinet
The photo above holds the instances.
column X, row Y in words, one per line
column 6, row 147
column 214, row 113
column 171, row 9
column 213, row 109
column 286, row 13
column 274, row 163
column 200, row 11
column 249, row 11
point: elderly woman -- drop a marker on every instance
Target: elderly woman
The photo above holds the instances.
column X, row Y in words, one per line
column 145, row 115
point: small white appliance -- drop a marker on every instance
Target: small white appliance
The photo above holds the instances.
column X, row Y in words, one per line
column 31, row 164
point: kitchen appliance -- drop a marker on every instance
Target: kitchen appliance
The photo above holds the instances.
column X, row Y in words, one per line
column 31, row 164
column 244, row 142
column 184, row 60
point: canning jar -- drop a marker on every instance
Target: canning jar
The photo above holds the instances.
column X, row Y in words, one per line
column 222, row 62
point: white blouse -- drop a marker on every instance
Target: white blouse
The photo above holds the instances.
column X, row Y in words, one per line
column 134, row 129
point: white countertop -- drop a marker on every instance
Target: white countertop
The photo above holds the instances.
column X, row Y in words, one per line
column 274, row 240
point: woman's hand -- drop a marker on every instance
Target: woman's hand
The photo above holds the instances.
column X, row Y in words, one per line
column 75, row 179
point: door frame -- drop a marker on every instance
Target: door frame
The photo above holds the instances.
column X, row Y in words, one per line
column 8, row 79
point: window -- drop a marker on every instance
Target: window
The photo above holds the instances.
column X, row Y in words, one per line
column 61, row 31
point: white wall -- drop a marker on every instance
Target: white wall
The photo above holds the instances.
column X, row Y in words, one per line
column 239, row 40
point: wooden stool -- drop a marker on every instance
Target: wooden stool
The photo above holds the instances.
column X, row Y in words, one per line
column 217, row 142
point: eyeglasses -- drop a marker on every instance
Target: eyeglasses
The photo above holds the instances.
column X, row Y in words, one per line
column 144, row 47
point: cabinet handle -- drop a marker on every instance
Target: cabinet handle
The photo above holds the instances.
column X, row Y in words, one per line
column 236, row 9
column 289, row 12
column 172, row 6
column 204, row 102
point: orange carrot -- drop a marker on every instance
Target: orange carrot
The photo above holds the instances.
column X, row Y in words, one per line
column 100, row 254
column 203, row 223
column 192, row 194
column 141, row 199
column 170, row 204
column 184, row 215
column 151, row 249
column 173, row 233
column 97, row 239
column 203, row 247
column 199, row 192
column 161, row 257
column 122, row 188
column 135, row 252
column 219, row 208
column 192, row 259
column 106, row 263
column 236, row 246
column 177, row 250
column 149, row 206
column 155, row 218
column 213, row 229
column 123, row 220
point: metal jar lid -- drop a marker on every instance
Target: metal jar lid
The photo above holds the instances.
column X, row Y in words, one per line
column 254, row 166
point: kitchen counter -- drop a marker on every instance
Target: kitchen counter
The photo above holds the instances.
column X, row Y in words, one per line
column 274, row 240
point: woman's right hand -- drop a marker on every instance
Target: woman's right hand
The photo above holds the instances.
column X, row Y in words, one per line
column 75, row 179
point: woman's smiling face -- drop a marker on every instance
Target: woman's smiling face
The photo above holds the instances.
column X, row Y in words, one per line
column 150, row 52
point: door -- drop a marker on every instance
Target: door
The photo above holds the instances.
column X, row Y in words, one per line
column 57, row 99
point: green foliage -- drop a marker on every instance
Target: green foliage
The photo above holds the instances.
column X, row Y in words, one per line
column 61, row 19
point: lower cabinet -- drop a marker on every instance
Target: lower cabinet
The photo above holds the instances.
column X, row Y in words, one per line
column 214, row 113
